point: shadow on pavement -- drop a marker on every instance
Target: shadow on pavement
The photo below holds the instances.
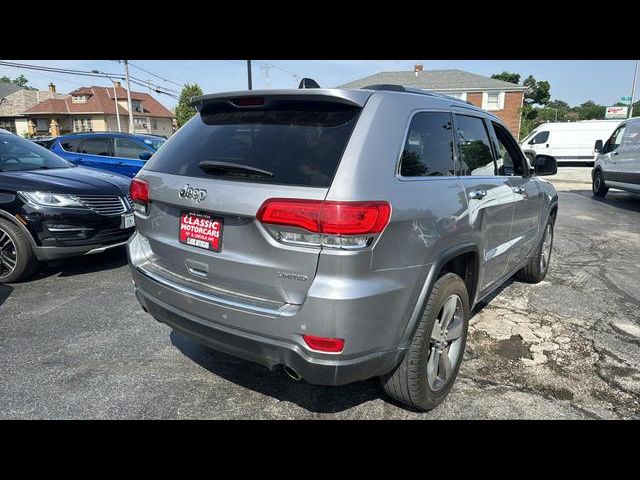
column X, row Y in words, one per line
column 314, row 398
column 615, row 198
column 108, row 260
column 5, row 292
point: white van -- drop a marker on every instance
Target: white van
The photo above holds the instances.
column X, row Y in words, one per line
column 618, row 162
column 568, row 141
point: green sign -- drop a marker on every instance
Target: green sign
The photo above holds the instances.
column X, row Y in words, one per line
column 625, row 100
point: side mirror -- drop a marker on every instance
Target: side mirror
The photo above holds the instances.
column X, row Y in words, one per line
column 531, row 142
column 145, row 156
column 545, row 165
column 598, row 146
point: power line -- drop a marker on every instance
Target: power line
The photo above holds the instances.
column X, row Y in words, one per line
column 157, row 76
column 85, row 73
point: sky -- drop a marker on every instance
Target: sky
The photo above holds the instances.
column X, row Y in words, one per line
column 574, row 81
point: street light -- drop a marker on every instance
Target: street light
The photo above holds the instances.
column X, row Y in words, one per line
column 115, row 96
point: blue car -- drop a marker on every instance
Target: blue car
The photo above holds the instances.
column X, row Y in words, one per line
column 122, row 153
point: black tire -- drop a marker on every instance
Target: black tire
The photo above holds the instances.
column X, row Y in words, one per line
column 536, row 270
column 16, row 244
column 597, row 185
column 408, row 382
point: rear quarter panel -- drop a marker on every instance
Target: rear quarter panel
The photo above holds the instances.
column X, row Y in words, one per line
column 429, row 215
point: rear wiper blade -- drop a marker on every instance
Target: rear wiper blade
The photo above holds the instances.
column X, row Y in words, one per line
column 228, row 168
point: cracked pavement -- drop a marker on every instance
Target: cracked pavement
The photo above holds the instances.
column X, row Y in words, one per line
column 74, row 342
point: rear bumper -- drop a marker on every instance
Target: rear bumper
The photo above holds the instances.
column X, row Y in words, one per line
column 266, row 351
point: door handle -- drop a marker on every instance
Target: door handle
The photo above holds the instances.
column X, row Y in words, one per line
column 519, row 190
column 478, row 194
column 79, row 160
column 615, row 153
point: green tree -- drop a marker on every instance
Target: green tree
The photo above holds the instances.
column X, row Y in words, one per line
column 538, row 92
column 21, row 81
column 590, row 110
column 507, row 77
column 184, row 110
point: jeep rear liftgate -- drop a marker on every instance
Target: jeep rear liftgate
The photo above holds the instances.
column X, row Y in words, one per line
column 205, row 187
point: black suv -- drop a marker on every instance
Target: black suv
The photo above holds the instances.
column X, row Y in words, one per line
column 51, row 209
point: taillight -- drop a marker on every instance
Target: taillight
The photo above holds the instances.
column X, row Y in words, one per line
column 322, row 344
column 333, row 224
column 139, row 192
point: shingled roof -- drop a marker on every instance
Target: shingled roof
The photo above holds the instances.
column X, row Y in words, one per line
column 101, row 101
column 440, row 80
column 8, row 88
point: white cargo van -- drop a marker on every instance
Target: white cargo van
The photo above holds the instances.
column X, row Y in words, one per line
column 568, row 141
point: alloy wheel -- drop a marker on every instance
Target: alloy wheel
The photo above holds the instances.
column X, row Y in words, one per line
column 545, row 255
column 8, row 254
column 445, row 343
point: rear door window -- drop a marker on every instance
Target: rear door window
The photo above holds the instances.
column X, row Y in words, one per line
column 127, row 148
column 476, row 157
column 297, row 142
column 428, row 148
column 97, row 146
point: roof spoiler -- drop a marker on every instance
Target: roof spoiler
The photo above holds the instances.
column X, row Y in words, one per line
column 263, row 98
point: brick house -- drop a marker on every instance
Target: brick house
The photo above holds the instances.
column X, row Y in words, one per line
column 501, row 98
column 93, row 109
column 14, row 100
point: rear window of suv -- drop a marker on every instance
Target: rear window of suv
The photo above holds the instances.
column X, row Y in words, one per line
column 299, row 142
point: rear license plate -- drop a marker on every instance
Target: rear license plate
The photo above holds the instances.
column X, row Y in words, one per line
column 127, row 221
column 201, row 230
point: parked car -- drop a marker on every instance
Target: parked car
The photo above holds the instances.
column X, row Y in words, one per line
column 568, row 141
column 338, row 234
column 121, row 153
column 618, row 162
column 51, row 209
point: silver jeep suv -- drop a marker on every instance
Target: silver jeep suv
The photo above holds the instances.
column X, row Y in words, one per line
column 338, row 234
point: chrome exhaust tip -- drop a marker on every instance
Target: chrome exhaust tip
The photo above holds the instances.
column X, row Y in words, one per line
column 292, row 373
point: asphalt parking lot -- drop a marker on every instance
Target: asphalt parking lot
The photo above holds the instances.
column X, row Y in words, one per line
column 74, row 342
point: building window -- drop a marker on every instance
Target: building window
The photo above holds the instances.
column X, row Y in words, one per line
column 140, row 123
column 136, row 105
column 8, row 125
column 78, row 99
column 493, row 100
column 154, row 124
column 82, row 125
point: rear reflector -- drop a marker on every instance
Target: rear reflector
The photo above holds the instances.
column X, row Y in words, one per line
column 322, row 344
column 332, row 218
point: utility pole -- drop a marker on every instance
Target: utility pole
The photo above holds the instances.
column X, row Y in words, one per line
column 633, row 90
column 115, row 96
column 249, row 74
column 126, row 76
column 266, row 69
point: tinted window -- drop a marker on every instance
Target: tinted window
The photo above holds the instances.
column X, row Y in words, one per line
column 71, row 144
column 127, row 148
column 428, row 149
column 541, row 137
column 18, row 154
column 96, row 146
column 509, row 157
column 475, row 150
column 299, row 142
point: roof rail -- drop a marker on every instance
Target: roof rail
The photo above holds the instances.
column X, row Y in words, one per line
column 399, row 88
